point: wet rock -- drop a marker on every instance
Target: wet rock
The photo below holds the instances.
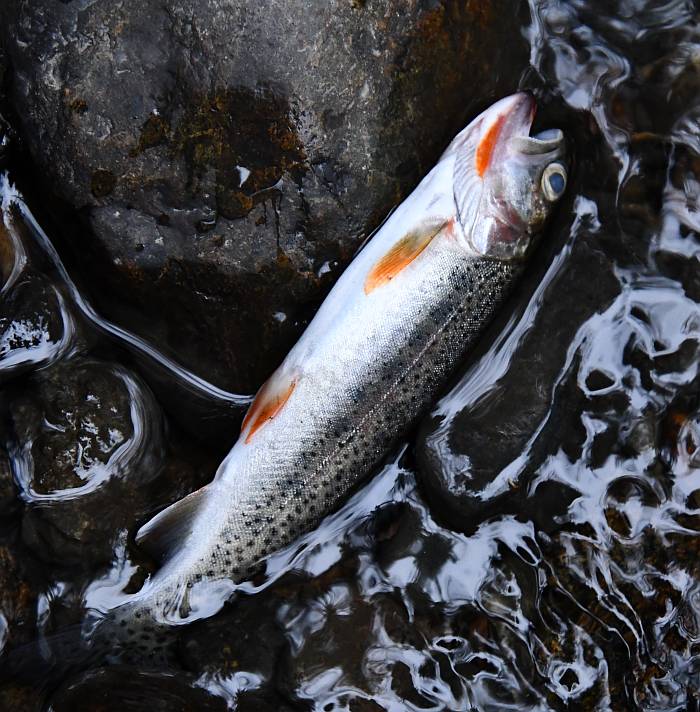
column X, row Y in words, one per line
column 18, row 598
column 243, row 150
column 123, row 689
column 9, row 501
column 238, row 653
column 87, row 440
column 243, row 637
column 36, row 326
column 16, row 696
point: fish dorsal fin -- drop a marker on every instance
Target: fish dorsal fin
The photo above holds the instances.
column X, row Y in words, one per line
column 269, row 401
column 402, row 253
column 169, row 529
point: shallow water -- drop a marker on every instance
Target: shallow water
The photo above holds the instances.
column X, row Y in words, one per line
column 534, row 545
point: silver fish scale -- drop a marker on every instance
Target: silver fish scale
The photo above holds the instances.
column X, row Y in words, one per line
column 340, row 437
column 351, row 438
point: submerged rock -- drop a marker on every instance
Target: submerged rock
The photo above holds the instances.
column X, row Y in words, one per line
column 238, row 652
column 37, row 323
column 130, row 690
column 8, row 490
column 36, row 326
column 87, row 439
column 229, row 158
column 18, row 597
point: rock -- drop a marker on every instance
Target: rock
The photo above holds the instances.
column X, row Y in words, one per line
column 87, row 440
column 232, row 640
column 124, row 689
column 36, row 326
column 18, row 597
column 9, row 501
column 37, row 322
column 239, row 650
column 20, row 696
column 229, row 158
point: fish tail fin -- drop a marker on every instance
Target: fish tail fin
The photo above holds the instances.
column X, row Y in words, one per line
column 132, row 635
column 122, row 635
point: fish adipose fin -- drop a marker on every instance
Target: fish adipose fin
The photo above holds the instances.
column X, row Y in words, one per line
column 269, row 401
column 165, row 533
column 402, row 253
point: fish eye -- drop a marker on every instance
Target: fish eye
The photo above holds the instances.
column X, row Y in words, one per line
column 554, row 181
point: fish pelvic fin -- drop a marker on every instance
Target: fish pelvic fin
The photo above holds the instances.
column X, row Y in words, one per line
column 402, row 253
column 166, row 532
column 268, row 403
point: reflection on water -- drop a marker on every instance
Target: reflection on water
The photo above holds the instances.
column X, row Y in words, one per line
column 535, row 546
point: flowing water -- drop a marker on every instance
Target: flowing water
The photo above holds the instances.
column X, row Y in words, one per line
column 533, row 546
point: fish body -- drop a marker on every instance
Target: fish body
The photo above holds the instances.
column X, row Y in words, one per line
column 384, row 342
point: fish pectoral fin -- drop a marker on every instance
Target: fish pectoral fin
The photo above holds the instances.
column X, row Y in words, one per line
column 402, row 253
column 168, row 530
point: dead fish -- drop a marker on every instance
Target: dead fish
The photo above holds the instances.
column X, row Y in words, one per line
column 382, row 345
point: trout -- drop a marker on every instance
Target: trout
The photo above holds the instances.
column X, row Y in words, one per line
column 384, row 342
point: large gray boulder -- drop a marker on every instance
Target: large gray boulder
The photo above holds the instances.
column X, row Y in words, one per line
column 229, row 156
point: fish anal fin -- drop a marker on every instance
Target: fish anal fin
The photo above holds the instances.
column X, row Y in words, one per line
column 169, row 529
column 401, row 254
column 269, row 401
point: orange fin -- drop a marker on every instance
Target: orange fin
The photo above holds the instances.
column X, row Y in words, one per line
column 267, row 404
column 401, row 255
column 484, row 150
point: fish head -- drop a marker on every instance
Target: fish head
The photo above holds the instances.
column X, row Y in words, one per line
column 506, row 182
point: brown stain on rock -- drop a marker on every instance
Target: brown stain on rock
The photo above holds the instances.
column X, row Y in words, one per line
column 102, row 183
column 251, row 128
column 154, row 132
column 78, row 106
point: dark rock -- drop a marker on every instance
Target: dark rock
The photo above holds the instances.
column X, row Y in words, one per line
column 20, row 696
column 242, row 641
column 18, row 598
column 229, row 158
column 87, row 440
column 8, row 489
column 37, row 324
column 124, row 689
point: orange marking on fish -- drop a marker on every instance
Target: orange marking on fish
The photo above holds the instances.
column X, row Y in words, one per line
column 484, row 151
column 400, row 256
column 265, row 407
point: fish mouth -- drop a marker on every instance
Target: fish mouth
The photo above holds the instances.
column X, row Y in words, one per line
column 515, row 115
column 539, row 144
